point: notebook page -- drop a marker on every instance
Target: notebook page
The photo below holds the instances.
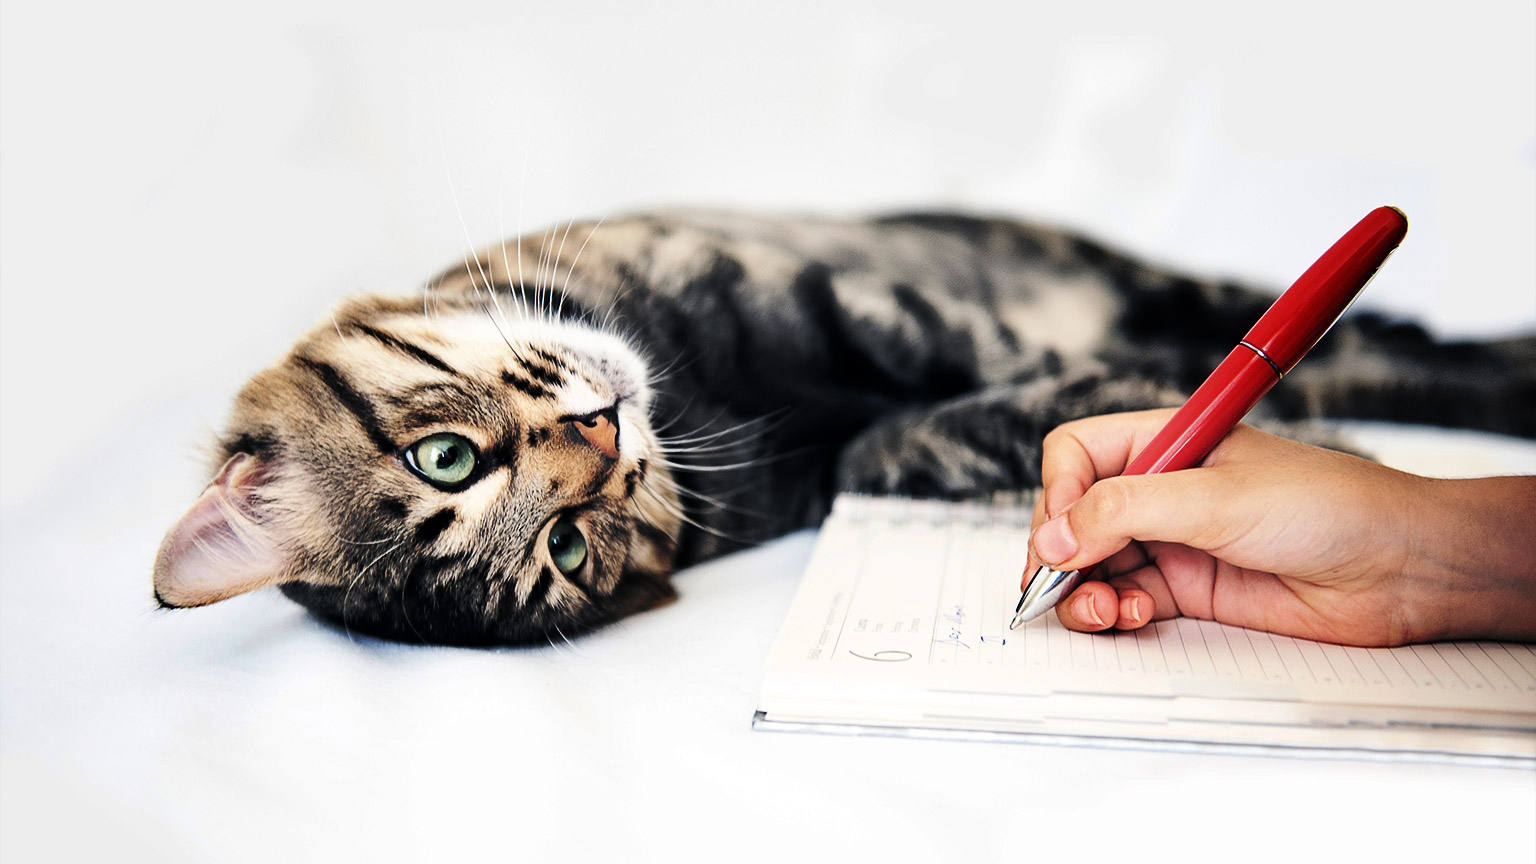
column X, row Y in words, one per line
column 912, row 598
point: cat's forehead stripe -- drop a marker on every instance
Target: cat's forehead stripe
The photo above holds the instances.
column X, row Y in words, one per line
column 523, row 384
column 406, row 348
column 543, row 375
column 352, row 400
column 552, row 359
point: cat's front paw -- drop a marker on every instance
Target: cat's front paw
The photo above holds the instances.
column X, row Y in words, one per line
column 920, row 458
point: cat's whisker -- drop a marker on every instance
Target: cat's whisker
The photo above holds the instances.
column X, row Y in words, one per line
column 522, row 286
column 501, row 227
column 673, row 367
column 545, row 243
column 735, row 438
column 683, row 491
column 405, row 611
column 671, row 485
column 464, row 226
column 679, row 414
column 554, row 266
column 342, row 539
column 346, row 595
column 577, row 260
column 705, row 450
column 737, row 466
column 678, row 514
column 773, row 417
column 563, row 638
column 513, row 349
column 575, row 648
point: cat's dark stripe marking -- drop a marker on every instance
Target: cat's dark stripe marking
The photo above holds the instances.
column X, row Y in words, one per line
column 599, row 479
column 540, row 588
column 552, row 359
column 417, row 419
column 714, row 293
column 634, row 477
column 538, row 436
column 353, row 401
column 945, row 376
column 526, row 386
column 969, row 227
column 433, row 527
column 1006, row 335
column 504, row 453
column 254, row 444
column 1050, row 362
column 850, row 365
column 542, row 375
column 407, row 348
column 394, row 508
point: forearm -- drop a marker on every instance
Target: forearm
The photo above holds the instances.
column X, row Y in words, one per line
column 1473, row 572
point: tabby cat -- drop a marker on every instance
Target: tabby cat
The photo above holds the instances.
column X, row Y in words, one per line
column 531, row 447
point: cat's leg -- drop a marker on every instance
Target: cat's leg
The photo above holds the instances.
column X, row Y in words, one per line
column 984, row 442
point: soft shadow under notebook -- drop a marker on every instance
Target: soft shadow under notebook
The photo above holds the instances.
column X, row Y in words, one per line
column 900, row 627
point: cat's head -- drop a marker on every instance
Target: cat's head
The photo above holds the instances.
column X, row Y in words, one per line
column 461, row 476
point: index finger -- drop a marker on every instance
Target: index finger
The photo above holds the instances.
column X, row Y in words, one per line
column 1078, row 454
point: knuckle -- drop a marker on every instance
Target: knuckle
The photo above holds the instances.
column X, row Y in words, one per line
column 1110, row 501
column 1055, row 437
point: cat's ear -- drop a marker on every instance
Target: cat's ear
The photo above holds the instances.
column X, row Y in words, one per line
column 222, row 546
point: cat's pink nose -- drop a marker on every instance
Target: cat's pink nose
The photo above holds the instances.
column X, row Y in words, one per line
column 601, row 432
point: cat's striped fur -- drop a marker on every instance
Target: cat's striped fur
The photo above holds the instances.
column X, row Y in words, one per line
column 788, row 359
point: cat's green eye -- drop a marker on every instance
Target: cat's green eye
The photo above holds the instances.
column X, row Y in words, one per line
column 444, row 458
column 567, row 546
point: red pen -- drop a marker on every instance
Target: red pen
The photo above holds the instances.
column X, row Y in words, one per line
column 1282, row 337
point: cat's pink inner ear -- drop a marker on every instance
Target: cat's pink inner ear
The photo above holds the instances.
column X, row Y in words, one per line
column 220, row 547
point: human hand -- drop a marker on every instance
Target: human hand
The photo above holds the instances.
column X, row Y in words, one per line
column 1280, row 536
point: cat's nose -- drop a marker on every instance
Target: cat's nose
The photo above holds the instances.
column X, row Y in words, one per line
column 601, row 431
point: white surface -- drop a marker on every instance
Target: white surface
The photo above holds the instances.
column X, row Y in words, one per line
column 183, row 187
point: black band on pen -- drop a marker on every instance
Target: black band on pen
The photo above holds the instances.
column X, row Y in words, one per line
column 1259, row 351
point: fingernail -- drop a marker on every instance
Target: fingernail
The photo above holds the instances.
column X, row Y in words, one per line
column 1135, row 608
column 1054, row 542
column 1083, row 606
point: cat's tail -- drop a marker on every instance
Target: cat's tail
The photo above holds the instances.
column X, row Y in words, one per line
column 1371, row 367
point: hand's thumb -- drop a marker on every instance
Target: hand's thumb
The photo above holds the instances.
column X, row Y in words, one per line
column 1179, row 507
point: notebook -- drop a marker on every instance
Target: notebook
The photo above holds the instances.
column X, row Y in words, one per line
column 900, row 626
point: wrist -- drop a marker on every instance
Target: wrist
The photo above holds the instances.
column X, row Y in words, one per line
column 1472, row 569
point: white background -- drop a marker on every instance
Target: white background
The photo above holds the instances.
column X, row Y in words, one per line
column 185, row 186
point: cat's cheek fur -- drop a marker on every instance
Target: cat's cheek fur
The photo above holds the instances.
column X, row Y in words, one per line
column 220, row 548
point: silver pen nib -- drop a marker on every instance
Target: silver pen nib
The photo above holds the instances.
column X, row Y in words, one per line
column 1040, row 595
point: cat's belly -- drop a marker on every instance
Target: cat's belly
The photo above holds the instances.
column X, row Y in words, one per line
column 1069, row 316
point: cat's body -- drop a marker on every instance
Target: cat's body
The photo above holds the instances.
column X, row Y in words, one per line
column 761, row 365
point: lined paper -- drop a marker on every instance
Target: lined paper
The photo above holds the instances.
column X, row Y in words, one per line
column 905, row 608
